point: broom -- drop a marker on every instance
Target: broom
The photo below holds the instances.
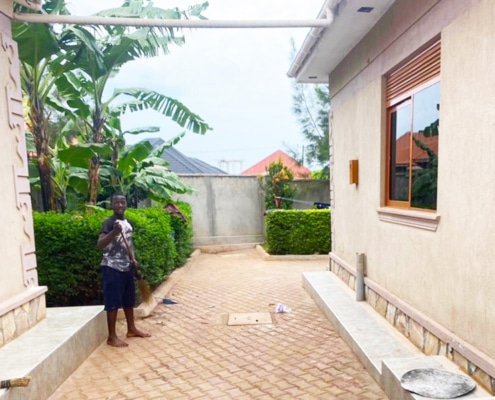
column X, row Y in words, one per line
column 144, row 289
column 15, row 382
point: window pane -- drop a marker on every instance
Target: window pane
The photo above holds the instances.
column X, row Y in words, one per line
column 425, row 148
column 400, row 145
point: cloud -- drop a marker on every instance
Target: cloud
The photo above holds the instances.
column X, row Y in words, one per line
column 235, row 79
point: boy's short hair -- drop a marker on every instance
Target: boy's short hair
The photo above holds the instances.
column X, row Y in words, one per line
column 117, row 194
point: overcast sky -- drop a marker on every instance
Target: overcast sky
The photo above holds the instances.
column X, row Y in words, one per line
column 235, row 79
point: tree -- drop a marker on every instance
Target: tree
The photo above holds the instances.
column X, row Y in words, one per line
column 276, row 185
column 311, row 105
column 96, row 65
column 41, row 64
column 141, row 173
column 67, row 72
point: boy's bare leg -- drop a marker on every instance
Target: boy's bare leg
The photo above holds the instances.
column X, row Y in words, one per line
column 113, row 339
column 132, row 331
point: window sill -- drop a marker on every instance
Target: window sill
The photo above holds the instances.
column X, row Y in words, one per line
column 415, row 219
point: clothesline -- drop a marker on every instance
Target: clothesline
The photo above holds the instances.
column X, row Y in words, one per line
column 318, row 204
column 294, row 200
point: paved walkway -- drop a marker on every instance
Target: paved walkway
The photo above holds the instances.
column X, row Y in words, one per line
column 194, row 354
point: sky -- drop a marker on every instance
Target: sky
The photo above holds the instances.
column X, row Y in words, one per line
column 235, row 79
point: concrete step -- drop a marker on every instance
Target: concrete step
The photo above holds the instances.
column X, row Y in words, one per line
column 385, row 352
column 50, row 351
column 393, row 369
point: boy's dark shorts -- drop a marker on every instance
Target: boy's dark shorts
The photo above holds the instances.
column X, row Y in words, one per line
column 119, row 289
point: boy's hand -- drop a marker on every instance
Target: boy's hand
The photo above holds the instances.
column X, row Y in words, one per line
column 117, row 227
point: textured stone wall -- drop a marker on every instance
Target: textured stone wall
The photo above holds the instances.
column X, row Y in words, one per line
column 20, row 319
column 440, row 343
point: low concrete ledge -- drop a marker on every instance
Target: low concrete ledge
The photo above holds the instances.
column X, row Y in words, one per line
column 370, row 337
column 52, row 350
column 221, row 248
column 289, row 257
column 384, row 352
column 201, row 241
column 393, row 369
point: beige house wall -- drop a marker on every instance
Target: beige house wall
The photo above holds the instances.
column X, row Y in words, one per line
column 11, row 227
column 445, row 275
column 22, row 302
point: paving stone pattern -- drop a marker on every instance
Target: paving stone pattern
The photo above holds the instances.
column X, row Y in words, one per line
column 193, row 354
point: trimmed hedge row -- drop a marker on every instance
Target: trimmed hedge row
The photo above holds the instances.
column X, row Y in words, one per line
column 69, row 262
column 298, row 232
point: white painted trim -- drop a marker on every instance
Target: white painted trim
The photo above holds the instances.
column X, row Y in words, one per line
column 415, row 219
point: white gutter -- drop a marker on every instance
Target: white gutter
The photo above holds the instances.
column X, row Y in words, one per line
column 327, row 13
column 172, row 23
column 32, row 4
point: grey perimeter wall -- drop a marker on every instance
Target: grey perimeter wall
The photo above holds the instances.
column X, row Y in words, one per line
column 229, row 209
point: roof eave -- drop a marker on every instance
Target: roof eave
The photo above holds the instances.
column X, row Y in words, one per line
column 325, row 48
column 311, row 40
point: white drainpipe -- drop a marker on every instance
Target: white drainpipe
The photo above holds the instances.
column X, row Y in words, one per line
column 327, row 13
column 170, row 23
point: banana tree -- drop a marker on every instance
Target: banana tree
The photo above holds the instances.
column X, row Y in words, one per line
column 139, row 173
column 43, row 61
column 142, row 173
column 38, row 47
column 47, row 55
column 118, row 45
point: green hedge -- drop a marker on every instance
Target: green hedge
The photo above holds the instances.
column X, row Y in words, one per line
column 298, row 232
column 67, row 257
column 69, row 262
column 182, row 234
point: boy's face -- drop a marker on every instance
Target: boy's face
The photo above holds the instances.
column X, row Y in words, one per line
column 119, row 205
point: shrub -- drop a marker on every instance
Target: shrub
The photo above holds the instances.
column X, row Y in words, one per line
column 153, row 243
column 69, row 262
column 298, row 232
column 182, row 233
column 67, row 257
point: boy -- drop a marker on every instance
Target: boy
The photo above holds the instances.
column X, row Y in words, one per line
column 117, row 271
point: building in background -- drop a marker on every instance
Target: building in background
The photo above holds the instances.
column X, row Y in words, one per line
column 260, row 168
column 183, row 165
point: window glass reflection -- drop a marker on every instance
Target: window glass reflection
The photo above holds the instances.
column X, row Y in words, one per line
column 400, row 144
column 424, row 157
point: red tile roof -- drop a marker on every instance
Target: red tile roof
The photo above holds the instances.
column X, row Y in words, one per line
column 299, row 171
column 402, row 146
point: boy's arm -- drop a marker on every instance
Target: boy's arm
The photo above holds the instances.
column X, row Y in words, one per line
column 105, row 238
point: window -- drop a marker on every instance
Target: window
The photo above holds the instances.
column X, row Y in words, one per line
column 413, row 101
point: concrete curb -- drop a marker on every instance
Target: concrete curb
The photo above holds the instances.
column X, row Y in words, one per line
column 291, row 257
column 221, row 248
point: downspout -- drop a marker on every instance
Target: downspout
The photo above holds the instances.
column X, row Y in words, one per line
column 327, row 14
column 169, row 23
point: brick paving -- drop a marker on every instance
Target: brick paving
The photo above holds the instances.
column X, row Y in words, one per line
column 193, row 354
